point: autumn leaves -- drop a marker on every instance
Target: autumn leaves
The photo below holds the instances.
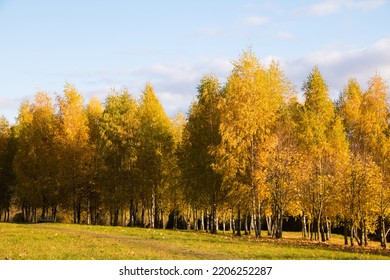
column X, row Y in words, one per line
column 274, row 156
column 246, row 153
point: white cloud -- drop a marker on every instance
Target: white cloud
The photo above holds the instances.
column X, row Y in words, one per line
column 285, row 35
column 207, row 31
column 9, row 104
column 367, row 4
column 6, row 102
column 175, row 83
column 255, row 20
column 326, row 7
column 174, row 102
column 320, row 9
column 270, row 5
column 337, row 66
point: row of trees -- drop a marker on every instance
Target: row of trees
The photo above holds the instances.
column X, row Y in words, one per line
column 248, row 153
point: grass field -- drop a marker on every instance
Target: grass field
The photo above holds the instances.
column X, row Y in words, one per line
column 81, row 242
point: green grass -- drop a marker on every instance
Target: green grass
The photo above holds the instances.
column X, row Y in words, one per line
column 80, row 242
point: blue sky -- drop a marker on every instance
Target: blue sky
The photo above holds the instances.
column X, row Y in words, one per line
column 100, row 45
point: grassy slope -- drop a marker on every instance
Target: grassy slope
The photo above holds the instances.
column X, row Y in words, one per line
column 62, row 241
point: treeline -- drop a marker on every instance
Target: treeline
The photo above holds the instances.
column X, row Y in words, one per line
column 247, row 155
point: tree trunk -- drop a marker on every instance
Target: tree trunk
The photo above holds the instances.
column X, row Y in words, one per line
column 162, row 219
column 188, row 218
column 23, row 216
column 43, row 211
column 153, row 209
column 311, row 229
column 214, row 218
column 383, row 233
column 74, row 210
column 268, row 220
column 132, row 216
column 327, row 229
column 279, row 225
column 209, row 222
column 319, row 226
column 195, row 219
column 323, row 238
column 143, row 214
column 206, row 221
column 216, row 223
column 250, row 223
column 258, row 221
column 303, row 225
column 202, row 220
column 254, row 210
column 116, row 216
column 232, row 223
column 79, row 212
column 175, row 219
column 54, row 213
column 88, row 210
column 224, row 223
column 360, row 234
column 239, row 222
column 246, row 224
column 345, row 231
column 34, row 215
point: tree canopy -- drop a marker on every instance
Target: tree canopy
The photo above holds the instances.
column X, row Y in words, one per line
column 248, row 155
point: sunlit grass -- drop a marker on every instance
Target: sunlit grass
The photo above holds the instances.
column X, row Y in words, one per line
column 76, row 242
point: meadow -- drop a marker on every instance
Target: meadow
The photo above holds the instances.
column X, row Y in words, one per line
column 53, row 241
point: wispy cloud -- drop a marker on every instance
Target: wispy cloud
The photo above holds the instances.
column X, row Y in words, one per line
column 270, row 5
column 175, row 83
column 207, row 31
column 285, row 35
column 326, row 7
column 337, row 66
column 255, row 20
column 367, row 4
column 319, row 9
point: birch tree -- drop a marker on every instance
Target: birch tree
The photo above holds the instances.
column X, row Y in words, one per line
column 7, row 176
column 73, row 148
column 94, row 113
column 154, row 151
column 323, row 140
column 283, row 168
column 118, row 148
column 251, row 101
column 203, row 184
column 374, row 127
column 36, row 158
